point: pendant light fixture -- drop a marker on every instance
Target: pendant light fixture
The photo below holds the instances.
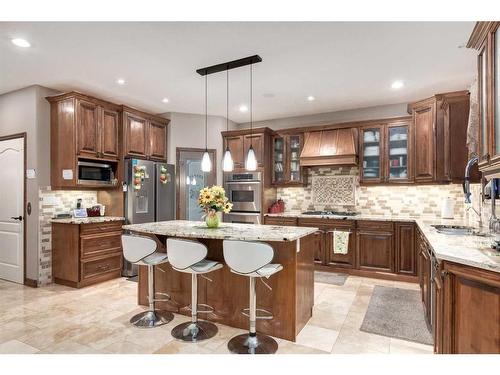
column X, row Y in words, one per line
column 227, row 160
column 206, row 163
column 251, row 160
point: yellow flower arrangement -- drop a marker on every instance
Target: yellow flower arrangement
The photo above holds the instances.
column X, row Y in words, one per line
column 214, row 199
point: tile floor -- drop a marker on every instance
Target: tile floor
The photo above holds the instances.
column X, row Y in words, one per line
column 57, row 319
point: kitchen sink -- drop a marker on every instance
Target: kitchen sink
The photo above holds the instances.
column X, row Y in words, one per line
column 459, row 230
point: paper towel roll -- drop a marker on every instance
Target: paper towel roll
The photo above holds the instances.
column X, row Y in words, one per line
column 448, row 208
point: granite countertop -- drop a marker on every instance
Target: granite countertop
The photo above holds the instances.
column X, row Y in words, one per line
column 226, row 231
column 87, row 220
column 469, row 250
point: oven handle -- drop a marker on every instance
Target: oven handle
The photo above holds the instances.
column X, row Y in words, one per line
column 242, row 182
column 244, row 213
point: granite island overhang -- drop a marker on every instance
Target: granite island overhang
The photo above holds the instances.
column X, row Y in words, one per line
column 290, row 300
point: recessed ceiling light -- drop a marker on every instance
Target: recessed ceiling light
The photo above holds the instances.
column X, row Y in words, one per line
column 165, row 100
column 397, row 84
column 243, row 108
column 120, row 81
column 21, row 42
column 310, row 98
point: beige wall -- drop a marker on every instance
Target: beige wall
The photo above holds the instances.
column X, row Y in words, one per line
column 360, row 114
column 26, row 110
column 188, row 130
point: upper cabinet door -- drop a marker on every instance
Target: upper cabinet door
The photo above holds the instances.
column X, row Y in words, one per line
column 398, row 153
column 371, row 152
column 257, row 142
column 279, row 160
column 294, row 148
column 423, row 118
column 158, row 141
column 87, row 128
column 495, row 102
column 136, row 135
column 235, row 144
column 484, row 151
column 109, row 133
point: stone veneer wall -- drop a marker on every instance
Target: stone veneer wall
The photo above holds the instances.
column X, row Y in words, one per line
column 50, row 204
column 411, row 200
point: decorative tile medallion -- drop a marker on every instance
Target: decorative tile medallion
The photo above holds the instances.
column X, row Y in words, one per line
column 334, row 190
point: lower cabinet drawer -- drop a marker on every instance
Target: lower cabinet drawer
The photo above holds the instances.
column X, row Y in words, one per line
column 101, row 228
column 92, row 246
column 92, row 268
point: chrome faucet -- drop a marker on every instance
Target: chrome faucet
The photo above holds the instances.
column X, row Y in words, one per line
column 466, row 186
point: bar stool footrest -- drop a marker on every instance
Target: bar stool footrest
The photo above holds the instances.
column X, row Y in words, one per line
column 261, row 314
column 166, row 295
column 199, row 308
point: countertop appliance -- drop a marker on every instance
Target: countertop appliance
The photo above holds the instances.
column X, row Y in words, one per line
column 244, row 191
column 95, row 173
column 149, row 196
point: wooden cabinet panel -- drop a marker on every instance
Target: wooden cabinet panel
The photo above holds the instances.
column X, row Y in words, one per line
column 109, row 131
column 158, row 138
column 100, row 244
column 257, row 142
column 235, row 144
column 136, row 135
column 424, row 277
column 319, row 247
column 280, row 220
column 406, row 256
column 424, row 118
column 87, row 128
column 341, row 260
column 437, row 324
column 375, row 250
column 471, row 321
column 96, row 267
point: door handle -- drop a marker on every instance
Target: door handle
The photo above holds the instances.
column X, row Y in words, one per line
column 20, row 218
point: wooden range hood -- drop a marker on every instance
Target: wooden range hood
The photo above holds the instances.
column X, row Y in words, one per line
column 330, row 147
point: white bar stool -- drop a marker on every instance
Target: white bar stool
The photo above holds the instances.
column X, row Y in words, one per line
column 252, row 259
column 189, row 257
column 142, row 251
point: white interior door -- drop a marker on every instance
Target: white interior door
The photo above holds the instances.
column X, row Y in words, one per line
column 11, row 210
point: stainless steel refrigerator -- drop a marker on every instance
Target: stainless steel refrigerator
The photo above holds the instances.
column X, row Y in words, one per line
column 149, row 196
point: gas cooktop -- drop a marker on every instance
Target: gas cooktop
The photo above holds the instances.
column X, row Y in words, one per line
column 332, row 213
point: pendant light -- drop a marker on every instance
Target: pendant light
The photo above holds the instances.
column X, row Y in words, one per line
column 251, row 160
column 227, row 160
column 206, row 163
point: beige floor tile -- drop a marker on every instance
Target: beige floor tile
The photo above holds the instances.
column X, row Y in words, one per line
column 58, row 319
column 16, row 347
column 317, row 337
column 398, row 346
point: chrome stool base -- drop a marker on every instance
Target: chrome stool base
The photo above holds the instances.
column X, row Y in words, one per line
column 194, row 332
column 151, row 319
column 246, row 344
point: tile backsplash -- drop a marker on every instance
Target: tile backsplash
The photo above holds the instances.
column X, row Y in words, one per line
column 411, row 200
column 52, row 202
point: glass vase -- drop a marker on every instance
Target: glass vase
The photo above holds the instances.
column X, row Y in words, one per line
column 212, row 220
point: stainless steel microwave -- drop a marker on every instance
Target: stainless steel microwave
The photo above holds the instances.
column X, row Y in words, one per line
column 95, row 173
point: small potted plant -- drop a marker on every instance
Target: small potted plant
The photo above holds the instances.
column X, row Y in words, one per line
column 212, row 201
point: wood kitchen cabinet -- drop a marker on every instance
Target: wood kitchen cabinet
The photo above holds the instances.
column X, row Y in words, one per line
column 239, row 141
column 471, row 310
column 82, row 127
column 86, row 254
column 375, row 246
column 336, row 259
column 405, row 250
column 286, row 160
column 424, row 264
column 485, row 38
column 440, row 136
column 318, row 238
column 145, row 135
column 386, row 151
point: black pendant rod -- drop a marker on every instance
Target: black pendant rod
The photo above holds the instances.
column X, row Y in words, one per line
column 229, row 65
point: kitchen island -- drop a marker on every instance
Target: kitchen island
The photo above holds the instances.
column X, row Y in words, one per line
column 290, row 300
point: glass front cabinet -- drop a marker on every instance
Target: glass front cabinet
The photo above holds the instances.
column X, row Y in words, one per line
column 485, row 38
column 385, row 152
column 286, row 160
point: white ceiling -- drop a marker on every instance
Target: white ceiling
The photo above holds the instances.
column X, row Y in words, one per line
column 343, row 65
